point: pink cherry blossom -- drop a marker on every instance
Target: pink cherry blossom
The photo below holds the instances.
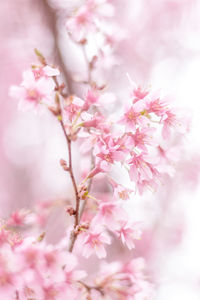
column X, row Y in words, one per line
column 4, row 236
column 70, row 271
column 143, row 137
column 96, row 121
column 170, row 120
column 72, row 107
column 134, row 116
column 138, row 92
column 46, row 71
column 84, row 20
column 109, row 213
column 120, row 191
column 139, row 166
column 93, row 241
column 32, row 92
column 95, row 98
column 128, row 233
column 108, row 132
column 18, row 218
column 106, row 150
column 101, row 167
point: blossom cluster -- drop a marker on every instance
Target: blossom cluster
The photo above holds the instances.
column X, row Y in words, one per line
column 31, row 269
column 135, row 139
column 93, row 28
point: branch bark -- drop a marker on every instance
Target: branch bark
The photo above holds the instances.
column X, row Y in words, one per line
column 68, row 82
column 53, row 26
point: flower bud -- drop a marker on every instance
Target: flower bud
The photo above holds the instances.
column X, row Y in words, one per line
column 63, row 163
column 55, row 110
column 70, row 210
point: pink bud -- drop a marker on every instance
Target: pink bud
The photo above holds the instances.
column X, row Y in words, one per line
column 63, row 163
column 70, row 210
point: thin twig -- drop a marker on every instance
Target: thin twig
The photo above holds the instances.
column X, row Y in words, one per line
column 89, row 288
column 68, row 80
column 70, row 170
column 53, row 25
column 89, row 186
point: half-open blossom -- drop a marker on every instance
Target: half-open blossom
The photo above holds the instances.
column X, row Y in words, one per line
column 171, row 120
column 144, row 184
column 128, row 233
column 96, row 121
column 139, row 93
column 72, row 107
column 109, row 212
column 101, row 167
column 94, row 97
column 119, row 190
column 46, row 71
column 157, row 105
column 139, row 166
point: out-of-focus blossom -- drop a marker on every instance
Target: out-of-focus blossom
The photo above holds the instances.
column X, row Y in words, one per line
column 32, row 92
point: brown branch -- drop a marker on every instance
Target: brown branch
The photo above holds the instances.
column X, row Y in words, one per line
column 70, row 169
column 58, row 112
column 89, row 186
column 53, row 26
column 73, row 238
column 89, row 288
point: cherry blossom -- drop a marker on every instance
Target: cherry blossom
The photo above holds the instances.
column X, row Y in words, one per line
column 109, row 213
column 120, row 191
column 32, row 92
column 128, row 233
column 130, row 140
column 134, row 116
column 93, row 241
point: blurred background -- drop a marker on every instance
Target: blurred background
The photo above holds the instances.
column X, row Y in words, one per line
column 160, row 48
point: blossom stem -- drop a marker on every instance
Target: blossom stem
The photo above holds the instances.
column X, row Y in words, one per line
column 89, row 186
column 71, row 172
column 52, row 18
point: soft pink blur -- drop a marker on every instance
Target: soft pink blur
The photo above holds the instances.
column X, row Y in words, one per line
column 160, row 40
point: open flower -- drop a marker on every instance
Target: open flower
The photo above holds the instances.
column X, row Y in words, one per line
column 93, row 241
column 32, row 92
column 109, row 212
column 119, row 191
column 134, row 116
column 128, row 233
